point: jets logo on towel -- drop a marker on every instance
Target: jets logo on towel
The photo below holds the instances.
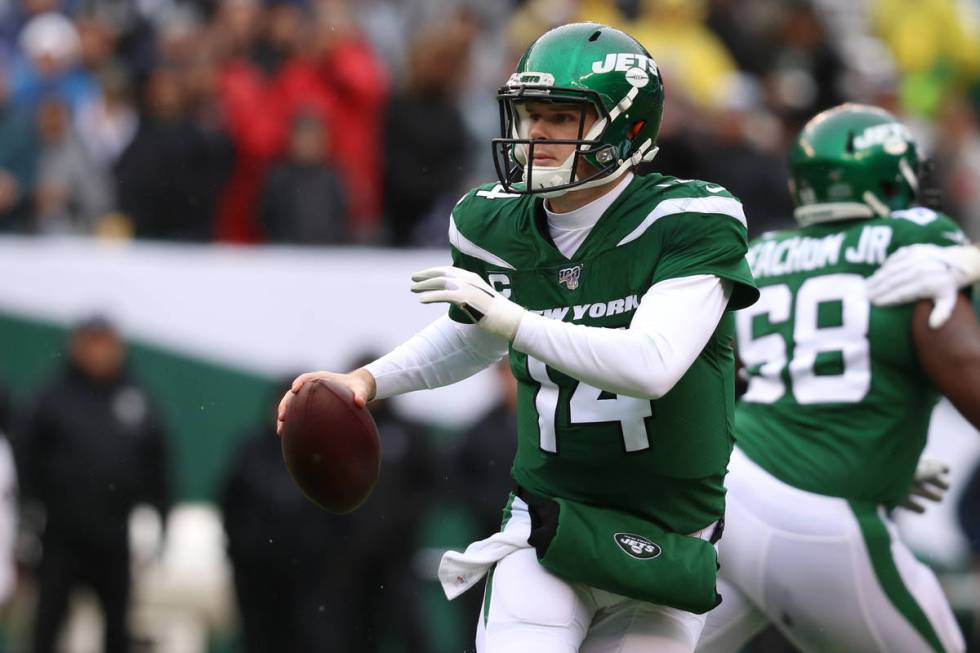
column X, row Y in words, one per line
column 569, row 276
column 637, row 546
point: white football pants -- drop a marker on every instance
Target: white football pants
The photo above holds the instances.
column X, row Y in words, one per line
column 832, row 575
column 529, row 610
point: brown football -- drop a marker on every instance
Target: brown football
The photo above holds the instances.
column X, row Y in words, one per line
column 331, row 446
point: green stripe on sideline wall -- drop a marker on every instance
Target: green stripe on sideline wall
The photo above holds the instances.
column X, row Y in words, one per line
column 209, row 408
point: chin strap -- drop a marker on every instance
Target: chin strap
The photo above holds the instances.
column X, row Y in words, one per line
column 645, row 153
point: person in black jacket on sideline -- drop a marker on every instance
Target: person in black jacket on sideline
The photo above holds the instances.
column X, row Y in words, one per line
column 92, row 448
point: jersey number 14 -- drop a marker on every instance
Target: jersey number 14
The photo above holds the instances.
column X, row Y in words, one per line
column 588, row 406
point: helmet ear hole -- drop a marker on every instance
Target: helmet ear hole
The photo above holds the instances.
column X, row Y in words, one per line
column 636, row 128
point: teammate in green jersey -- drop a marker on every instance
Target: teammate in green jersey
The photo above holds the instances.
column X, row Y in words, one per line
column 835, row 417
column 610, row 294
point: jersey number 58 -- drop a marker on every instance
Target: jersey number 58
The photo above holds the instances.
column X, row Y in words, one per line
column 767, row 355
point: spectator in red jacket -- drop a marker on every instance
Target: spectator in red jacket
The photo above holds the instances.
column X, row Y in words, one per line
column 284, row 63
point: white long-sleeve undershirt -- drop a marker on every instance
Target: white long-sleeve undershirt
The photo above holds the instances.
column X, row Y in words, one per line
column 442, row 353
column 671, row 326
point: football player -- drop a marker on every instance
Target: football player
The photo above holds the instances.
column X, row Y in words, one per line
column 837, row 409
column 610, row 292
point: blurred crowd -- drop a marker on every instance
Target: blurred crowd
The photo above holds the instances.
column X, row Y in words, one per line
column 334, row 121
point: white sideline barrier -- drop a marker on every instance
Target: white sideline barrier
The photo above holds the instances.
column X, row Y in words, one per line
column 269, row 310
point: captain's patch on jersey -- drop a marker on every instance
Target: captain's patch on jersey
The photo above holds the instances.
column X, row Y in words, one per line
column 637, row 546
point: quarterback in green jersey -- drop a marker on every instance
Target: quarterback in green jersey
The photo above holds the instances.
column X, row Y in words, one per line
column 830, row 430
column 610, row 293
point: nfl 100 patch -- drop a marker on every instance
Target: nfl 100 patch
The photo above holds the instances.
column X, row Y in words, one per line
column 569, row 277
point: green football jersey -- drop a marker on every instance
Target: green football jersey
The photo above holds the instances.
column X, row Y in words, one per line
column 837, row 403
column 662, row 459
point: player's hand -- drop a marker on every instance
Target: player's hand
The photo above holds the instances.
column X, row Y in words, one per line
column 360, row 382
column 925, row 272
column 474, row 296
column 929, row 484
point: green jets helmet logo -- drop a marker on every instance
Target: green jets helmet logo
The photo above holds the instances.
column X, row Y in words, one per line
column 893, row 137
column 637, row 546
column 623, row 62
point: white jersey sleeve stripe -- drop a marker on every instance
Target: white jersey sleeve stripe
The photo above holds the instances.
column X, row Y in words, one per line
column 721, row 205
column 468, row 247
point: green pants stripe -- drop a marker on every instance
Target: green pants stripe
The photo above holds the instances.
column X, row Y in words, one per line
column 878, row 542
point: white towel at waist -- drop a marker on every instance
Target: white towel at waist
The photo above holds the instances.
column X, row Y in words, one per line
column 460, row 571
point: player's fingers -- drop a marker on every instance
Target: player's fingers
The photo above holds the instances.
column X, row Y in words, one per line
column 299, row 381
column 899, row 291
column 882, row 291
column 899, row 259
column 891, row 297
column 437, row 283
column 942, row 309
column 892, row 288
column 887, row 278
column 430, row 273
column 883, row 275
column 930, row 467
column 926, row 493
column 437, row 296
column 279, row 425
column 912, row 506
column 283, row 403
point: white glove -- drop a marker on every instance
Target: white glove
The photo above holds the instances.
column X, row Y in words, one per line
column 930, row 483
column 925, row 272
column 474, row 296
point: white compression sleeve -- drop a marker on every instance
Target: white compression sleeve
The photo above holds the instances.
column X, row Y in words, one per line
column 440, row 354
column 672, row 325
